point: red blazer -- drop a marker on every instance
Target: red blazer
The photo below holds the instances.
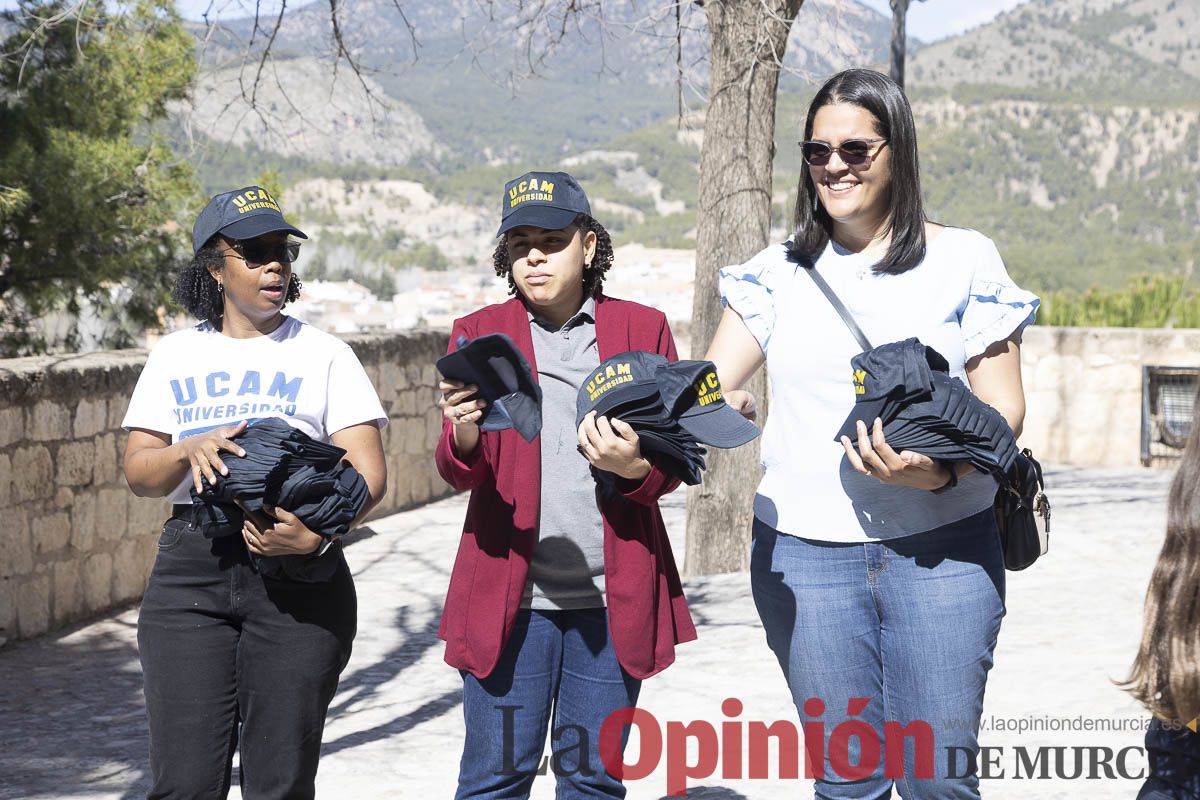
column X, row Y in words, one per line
column 647, row 612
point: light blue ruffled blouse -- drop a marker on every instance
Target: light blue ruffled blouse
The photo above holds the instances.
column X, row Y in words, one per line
column 959, row 300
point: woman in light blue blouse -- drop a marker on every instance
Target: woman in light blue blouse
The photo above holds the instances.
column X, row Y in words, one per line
column 878, row 575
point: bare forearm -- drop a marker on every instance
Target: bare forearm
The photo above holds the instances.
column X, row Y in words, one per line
column 465, row 438
column 156, row 471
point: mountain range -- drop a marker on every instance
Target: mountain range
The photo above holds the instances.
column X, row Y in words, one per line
column 1068, row 130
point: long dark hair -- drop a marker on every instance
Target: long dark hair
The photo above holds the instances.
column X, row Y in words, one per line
column 883, row 99
column 1166, row 672
column 593, row 274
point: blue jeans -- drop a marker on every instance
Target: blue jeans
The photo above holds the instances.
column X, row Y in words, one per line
column 557, row 665
column 907, row 624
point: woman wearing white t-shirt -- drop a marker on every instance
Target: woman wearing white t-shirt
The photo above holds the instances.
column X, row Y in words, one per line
column 227, row 653
column 878, row 575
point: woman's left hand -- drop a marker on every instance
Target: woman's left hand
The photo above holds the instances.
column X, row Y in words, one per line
column 875, row 457
column 612, row 445
column 277, row 532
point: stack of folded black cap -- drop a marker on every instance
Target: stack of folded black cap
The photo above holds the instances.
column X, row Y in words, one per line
column 285, row 468
column 673, row 408
column 494, row 364
column 907, row 385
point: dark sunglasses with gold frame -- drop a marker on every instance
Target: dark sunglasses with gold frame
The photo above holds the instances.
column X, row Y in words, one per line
column 854, row 152
column 260, row 251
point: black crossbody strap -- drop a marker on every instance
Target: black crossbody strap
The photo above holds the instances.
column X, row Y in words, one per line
column 838, row 306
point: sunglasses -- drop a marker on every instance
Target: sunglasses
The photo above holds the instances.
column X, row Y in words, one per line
column 854, row 152
column 255, row 251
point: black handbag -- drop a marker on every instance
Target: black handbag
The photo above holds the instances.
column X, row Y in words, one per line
column 1023, row 513
column 1021, row 506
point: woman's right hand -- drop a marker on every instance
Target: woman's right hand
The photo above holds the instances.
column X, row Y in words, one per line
column 455, row 405
column 203, row 452
column 742, row 402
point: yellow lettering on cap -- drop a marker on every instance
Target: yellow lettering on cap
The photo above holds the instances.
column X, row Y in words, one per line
column 512, row 193
column 622, row 369
column 711, row 379
column 700, row 388
column 547, row 186
column 522, row 186
column 239, row 201
column 251, row 195
column 610, row 372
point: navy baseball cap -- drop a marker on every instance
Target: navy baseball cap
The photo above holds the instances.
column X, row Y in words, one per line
column 888, row 376
column 494, row 364
column 548, row 200
column 241, row 214
column 626, row 378
column 692, row 393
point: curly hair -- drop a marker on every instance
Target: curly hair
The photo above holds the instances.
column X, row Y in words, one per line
column 593, row 274
column 196, row 289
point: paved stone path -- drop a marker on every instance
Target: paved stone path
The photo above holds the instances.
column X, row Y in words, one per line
column 72, row 721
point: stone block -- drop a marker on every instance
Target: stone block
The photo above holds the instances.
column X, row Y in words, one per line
column 117, row 406
column 67, row 596
column 8, row 609
column 33, row 473
column 112, row 514
column 433, row 429
column 413, row 436
column 429, row 376
column 391, row 379
column 15, row 544
column 403, row 496
column 48, row 421
column 12, row 425
column 5, row 480
column 50, row 533
column 97, row 581
column 107, row 460
column 91, row 417
column 74, row 463
column 407, row 404
column 83, row 522
column 144, row 515
column 33, row 606
column 129, row 573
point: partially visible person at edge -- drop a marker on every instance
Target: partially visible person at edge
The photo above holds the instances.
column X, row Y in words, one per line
column 227, row 654
column 876, row 574
column 559, row 604
column 1166, row 672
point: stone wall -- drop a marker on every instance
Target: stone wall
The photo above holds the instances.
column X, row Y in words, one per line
column 1083, row 389
column 74, row 540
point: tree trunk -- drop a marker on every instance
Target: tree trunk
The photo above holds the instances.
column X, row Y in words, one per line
column 899, row 10
column 747, row 42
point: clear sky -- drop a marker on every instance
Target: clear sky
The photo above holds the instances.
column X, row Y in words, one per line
column 936, row 19
column 928, row 20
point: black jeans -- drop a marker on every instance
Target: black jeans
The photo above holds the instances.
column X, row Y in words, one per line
column 221, row 646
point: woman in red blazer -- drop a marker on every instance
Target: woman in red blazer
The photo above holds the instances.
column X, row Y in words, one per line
column 559, row 603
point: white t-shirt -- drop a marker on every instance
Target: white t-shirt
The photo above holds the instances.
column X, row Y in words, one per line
column 198, row 379
column 959, row 300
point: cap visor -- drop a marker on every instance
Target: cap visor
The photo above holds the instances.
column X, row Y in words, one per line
column 257, row 225
column 866, row 411
column 545, row 217
column 721, row 427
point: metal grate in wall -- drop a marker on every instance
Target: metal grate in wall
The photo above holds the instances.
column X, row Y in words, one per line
column 1168, row 402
